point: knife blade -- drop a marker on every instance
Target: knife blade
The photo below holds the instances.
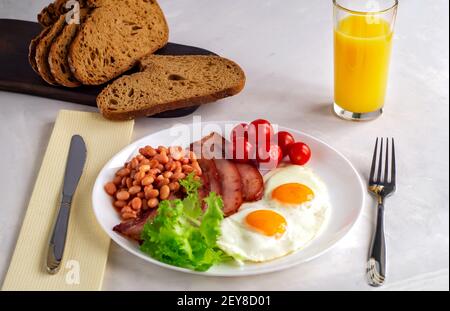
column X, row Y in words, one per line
column 74, row 169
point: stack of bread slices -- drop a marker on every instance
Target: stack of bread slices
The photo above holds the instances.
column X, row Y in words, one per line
column 93, row 42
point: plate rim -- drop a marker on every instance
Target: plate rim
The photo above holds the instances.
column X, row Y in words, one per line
column 242, row 273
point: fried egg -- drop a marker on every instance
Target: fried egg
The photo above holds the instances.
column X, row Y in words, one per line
column 292, row 212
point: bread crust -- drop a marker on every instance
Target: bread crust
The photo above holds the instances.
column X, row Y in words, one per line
column 151, row 66
column 188, row 102
column 57, row 57
column 43, row 49
column 32, row 49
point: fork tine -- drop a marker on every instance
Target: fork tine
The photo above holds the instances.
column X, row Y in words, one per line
column 380, row 161
column 386, row 163
column 372, row 170
column 393, row 170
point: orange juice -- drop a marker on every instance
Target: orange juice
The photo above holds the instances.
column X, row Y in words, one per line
column 362, row 48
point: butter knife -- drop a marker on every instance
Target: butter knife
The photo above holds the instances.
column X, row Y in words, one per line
column 74, row 170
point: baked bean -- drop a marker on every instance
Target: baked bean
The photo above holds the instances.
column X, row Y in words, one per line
column 120, row 204
column 162, row 157
column 171, row 166
column 148, row 188
column 162, row 149
column 110, row 188
column 185, row 161
column 140, row 157
column 134, row 190
column 145, row 162
column 153, row 203
column 124, row 181
column 150, row 151
column 163, row 182
column 123, row 172
column 133, row 173
column 154, row 163
column 127, row 215
column 152, row 193
column 126, row 209
column 159, row 178
column 144, row 168
column 134, row 163
column 122, row 195
column 167, row 174
column 164, row 192
column 154, row 171
column 178, row 176
column 139, row 176
column 129, row 182
column 187, row 169
column 136, row 183
column 147, row 181
column 136, row 204
column 160, row 167
column 174, row 186
column 117, row 180
column 140, row 195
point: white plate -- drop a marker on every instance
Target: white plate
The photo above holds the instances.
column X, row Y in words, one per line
column 344, row 185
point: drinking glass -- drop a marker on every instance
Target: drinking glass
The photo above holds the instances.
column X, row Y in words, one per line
column 363, row 32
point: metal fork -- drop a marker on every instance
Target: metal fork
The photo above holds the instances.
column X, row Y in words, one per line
column 381, row 185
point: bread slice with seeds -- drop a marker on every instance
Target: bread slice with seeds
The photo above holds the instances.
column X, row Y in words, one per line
column 57, row 58
column 168, row 83
column 114, row 37
column 43, row 49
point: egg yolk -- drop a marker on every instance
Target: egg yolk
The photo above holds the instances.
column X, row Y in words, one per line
column 267, row 222
column 292, row 193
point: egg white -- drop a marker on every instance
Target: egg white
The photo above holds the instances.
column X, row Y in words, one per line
column 304, row 221
column 296, row 174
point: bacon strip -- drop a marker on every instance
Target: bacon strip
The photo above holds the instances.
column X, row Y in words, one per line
column 133, row 228
column 252, row 182
column 231, row 186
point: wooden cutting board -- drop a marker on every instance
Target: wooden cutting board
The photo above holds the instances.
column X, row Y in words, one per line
column 16, row 74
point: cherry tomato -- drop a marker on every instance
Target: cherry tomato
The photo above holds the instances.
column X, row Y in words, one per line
column 240, row 130
column 260, row 131
column 299, row 153
column 242, row 150
column 271, row 158
column 284, row 140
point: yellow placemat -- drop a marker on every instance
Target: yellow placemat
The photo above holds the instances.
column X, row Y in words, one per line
column 87, row 245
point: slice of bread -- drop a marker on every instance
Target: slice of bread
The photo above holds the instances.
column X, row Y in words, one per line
column 114, row 37
column 170, row 82
column 32, row 49
column 57, row 57
column 43, row 49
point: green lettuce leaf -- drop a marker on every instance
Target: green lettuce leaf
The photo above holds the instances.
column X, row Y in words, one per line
column 181, row 234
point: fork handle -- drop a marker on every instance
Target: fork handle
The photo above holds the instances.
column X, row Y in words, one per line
column 376, row 266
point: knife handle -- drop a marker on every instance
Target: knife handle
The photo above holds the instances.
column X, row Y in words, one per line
column 58, row 238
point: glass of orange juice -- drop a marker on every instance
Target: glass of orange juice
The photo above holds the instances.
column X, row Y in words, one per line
column 363, row 31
